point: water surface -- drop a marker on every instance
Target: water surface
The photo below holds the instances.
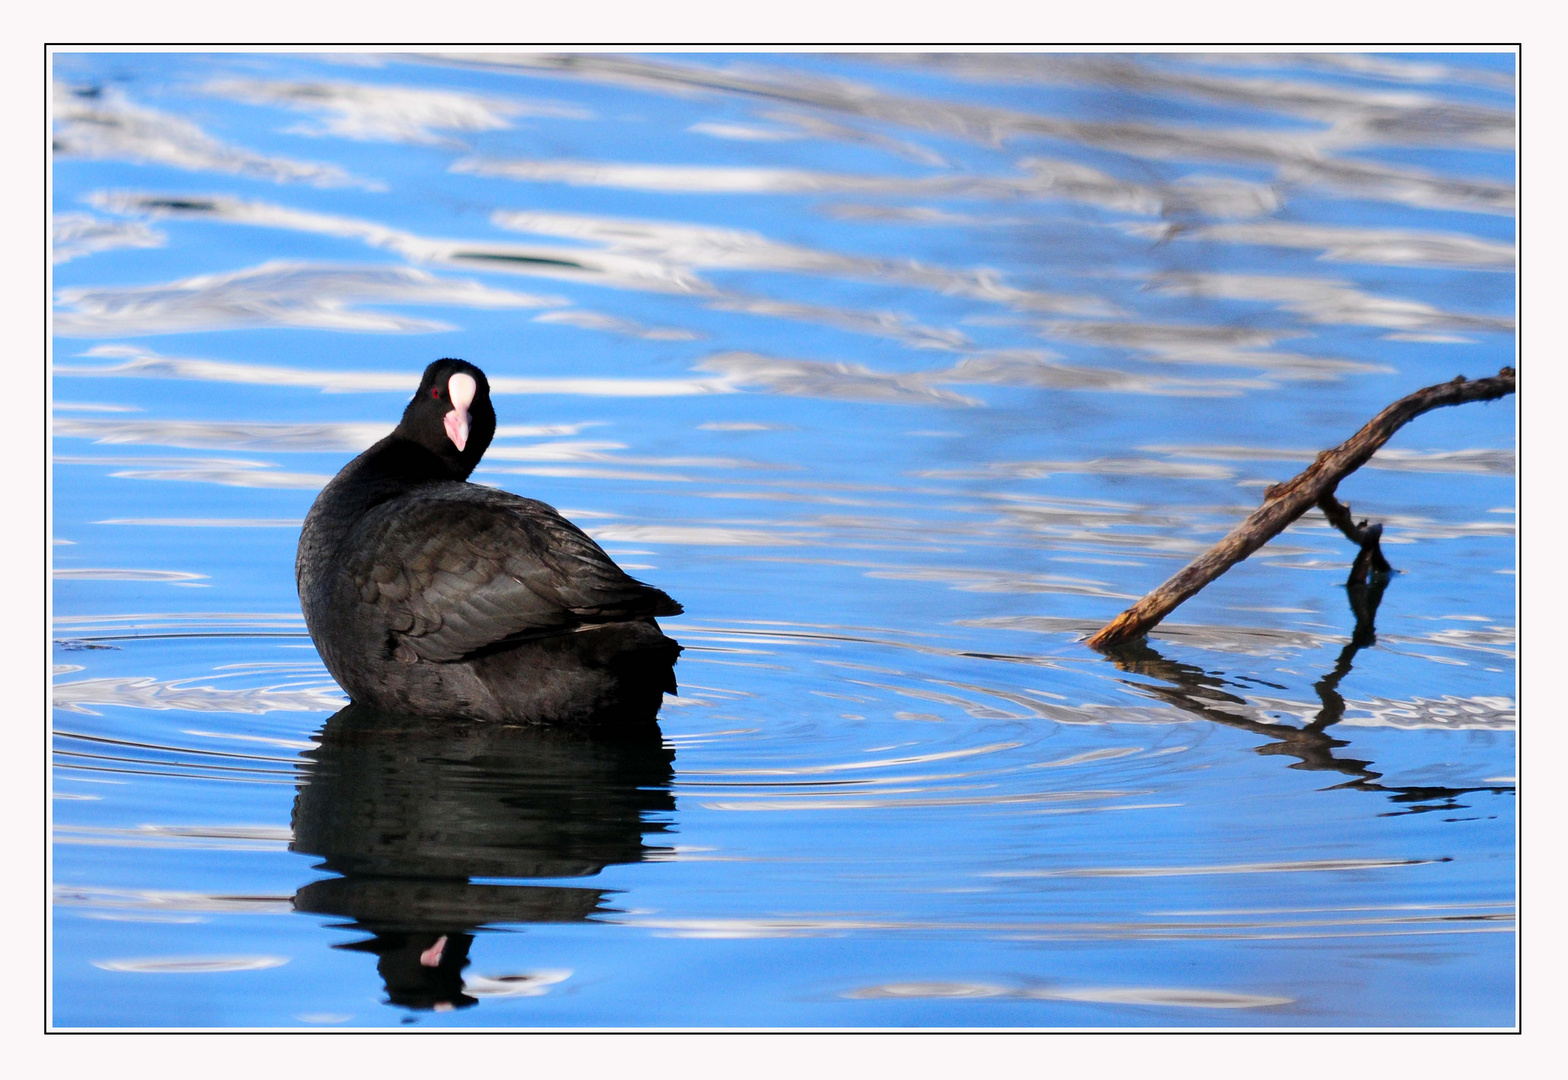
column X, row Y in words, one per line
column 903, row 374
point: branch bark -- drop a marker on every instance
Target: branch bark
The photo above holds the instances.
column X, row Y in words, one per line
column 1284, row 503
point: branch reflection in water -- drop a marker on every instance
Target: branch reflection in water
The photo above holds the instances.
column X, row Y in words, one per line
column 409, row 812
column 1196, row 691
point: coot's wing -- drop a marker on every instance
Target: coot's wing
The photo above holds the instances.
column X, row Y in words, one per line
column 457, row 568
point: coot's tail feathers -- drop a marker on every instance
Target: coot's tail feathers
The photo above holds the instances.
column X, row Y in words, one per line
column 640, row 601
column 663, row 602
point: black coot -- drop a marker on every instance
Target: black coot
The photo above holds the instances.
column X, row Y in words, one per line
column 431, row 596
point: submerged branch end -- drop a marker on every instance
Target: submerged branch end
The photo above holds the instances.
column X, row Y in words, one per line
column 1369, row 560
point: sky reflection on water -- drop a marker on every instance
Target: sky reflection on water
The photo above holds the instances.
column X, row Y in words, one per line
column 903, row 374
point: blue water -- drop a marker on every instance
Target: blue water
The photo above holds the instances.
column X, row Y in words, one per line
column 903, row 374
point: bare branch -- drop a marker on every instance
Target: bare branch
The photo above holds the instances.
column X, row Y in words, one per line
column 1284, row 503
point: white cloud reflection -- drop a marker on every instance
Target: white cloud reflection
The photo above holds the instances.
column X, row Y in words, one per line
column 1324, row 300
column 1353, row 114
column 596, row 320
column 228, row 472
column 1222, row 346
column 1397, row 69
column 91, row 573
column 136, row 362
column 235, row 435
column 1387, row 247
column 1041, row 178
column 140, row 692
column 387, row 113
column 674, row 257
column 1169, row 997
column 75, row 235
column 276, row 294
column 732, row 372
column 745, row 132
column 855, row 382
column 1349, row 120
column 1493, row 462
column 800, row 125
column 652, row 256
column 648, row 256
column 680, row 249
column 101, row 122
column 822, row 379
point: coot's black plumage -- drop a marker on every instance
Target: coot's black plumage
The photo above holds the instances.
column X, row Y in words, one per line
column 431, row 596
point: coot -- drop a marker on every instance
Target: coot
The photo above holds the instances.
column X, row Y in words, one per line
column 430, row 596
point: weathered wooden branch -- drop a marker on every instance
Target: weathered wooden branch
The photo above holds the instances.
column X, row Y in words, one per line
column 1284, row 503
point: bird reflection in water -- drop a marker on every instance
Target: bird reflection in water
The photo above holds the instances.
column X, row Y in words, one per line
column 1196, row 691
column 408, row 812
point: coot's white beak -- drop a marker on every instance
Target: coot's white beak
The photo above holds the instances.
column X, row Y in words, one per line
column 461, row 389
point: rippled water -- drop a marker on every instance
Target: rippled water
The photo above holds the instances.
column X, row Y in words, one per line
column 903, row 374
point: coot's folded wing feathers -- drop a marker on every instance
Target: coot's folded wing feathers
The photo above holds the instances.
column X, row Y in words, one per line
column 574, row 572
column 461, row 568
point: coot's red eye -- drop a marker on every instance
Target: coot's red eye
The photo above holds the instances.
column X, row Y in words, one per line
column 435, row 392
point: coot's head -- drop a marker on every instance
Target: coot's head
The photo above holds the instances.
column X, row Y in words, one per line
column 451, row 415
